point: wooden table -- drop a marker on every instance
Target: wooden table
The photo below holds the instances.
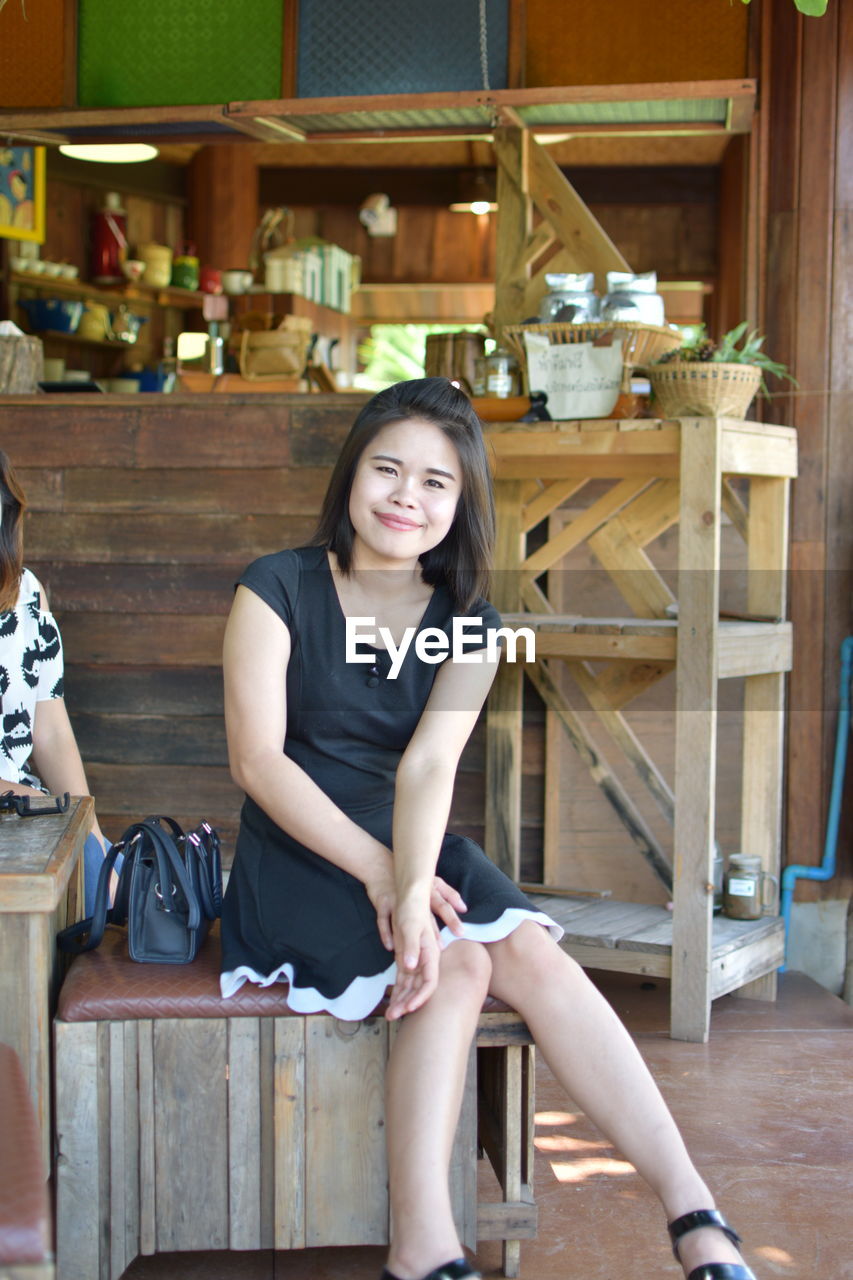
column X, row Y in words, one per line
column 663, row 473
column 41, row 890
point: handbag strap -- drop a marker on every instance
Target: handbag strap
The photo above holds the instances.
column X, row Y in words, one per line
column 102, row 913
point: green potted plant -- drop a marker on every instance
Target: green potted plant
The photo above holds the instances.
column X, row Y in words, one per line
column 708, row 379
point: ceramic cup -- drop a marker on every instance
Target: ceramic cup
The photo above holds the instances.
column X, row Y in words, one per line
column 236, row 281
column 133, row 268
column 210, row 280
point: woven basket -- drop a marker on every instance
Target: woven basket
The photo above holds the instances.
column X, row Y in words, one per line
column 641, row 343
column 689, row 388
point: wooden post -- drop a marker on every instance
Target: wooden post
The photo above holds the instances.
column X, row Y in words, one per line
column 223, row 203
column 503, row 710
column 764, row 696
column 512, row 146
column 696, row 727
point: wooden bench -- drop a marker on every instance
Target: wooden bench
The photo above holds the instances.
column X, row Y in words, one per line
column 189, row 1122
column 24, row 1210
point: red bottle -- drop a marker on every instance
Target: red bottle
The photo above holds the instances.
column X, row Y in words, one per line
column 109, row 241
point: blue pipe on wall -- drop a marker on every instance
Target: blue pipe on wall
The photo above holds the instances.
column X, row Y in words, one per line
column 826, row 870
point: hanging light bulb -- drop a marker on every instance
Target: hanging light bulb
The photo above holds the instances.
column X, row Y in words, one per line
column 477, row 192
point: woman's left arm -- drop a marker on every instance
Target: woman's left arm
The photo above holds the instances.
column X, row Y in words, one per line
column 56, row 755
column 422, row 799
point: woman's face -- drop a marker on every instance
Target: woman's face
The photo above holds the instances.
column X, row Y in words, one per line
column 404, row 493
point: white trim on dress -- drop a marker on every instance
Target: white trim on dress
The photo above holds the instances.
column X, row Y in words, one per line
column 363, row 994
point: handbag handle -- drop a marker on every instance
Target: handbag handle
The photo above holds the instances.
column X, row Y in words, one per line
column 167, row 854
column 204, row 843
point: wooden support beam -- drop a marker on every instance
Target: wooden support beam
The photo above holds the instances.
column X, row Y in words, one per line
column 513, row 225
column 631, row 570
column 734, row 508
column 696, row 727
column 503, row 709
column 601, row 772
column 621, row 682
column 547, row 500
column 625, row 738
column 764, row 696
column 583, row 239
column 582, row 526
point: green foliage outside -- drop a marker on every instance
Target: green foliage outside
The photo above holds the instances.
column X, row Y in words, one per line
column 813, row 8
column 396, row 352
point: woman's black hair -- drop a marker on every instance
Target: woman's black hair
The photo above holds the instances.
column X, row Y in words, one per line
column 462, row 560
column 12, row 505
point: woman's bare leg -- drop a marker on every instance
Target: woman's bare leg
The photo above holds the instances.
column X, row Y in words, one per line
column 424, row 1086
column 597, row 1063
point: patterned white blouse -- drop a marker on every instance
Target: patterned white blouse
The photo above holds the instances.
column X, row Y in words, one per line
column 31, row 671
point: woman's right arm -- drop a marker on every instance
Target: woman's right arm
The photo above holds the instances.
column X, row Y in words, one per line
column 255, row 658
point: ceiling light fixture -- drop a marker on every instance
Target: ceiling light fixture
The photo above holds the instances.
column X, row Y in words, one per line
column 475, row 192
column 479, row 207
column 109, row 152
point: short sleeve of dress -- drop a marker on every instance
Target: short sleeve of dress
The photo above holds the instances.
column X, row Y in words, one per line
column 276, row 579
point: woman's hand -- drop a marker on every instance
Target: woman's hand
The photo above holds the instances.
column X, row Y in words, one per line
column 445, row 903
column 417, row 953
column 381, row 889
column 382, row 892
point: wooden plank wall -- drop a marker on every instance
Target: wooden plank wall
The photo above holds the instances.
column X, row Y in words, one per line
column 141, row 517
column 804, row 163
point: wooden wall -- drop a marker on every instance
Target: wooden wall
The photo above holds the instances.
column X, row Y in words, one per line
column 803, row 177
column 140, row 519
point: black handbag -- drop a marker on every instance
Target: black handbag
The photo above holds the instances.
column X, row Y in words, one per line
column 169, row 890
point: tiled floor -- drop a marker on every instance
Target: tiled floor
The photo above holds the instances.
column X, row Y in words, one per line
column 766, row 1108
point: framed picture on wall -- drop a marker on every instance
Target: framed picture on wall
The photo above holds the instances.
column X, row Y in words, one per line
column 22, row 193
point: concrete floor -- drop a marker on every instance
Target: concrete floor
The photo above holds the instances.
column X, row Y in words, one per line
column 766, row 1108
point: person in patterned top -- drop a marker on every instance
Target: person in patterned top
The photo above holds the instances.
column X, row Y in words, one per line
column 38, row 750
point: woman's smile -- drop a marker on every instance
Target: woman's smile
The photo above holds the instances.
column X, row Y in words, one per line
column 394, row 521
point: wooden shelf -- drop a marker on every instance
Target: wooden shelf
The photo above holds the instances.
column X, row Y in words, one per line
column 140, row 294
column 744, row 648
column 662, row 473
column 112, row 344
column 632, row 937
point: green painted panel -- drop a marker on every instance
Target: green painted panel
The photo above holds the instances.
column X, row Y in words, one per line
column 142, row 53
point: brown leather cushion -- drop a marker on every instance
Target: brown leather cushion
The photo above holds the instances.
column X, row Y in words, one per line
column 105, row 985
column 24, row 1211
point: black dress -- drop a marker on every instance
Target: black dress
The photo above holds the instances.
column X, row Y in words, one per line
column 289, row 913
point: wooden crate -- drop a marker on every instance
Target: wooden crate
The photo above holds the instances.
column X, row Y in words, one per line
column 238, row 1125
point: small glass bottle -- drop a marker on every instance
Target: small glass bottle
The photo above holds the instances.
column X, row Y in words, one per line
column 501, row 374
column 167, row 370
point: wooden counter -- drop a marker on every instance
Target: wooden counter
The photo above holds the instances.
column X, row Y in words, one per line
column 41, row 882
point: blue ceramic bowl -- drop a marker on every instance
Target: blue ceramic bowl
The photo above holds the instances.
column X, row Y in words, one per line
column 60, row 315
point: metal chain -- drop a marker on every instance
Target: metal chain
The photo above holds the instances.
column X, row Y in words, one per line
column 484, row 48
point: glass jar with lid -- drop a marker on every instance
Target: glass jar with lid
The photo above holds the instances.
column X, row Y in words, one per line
column 502, row 375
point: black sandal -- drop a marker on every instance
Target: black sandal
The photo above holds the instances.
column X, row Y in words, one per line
column 709, row 1270
column 456, row 1270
